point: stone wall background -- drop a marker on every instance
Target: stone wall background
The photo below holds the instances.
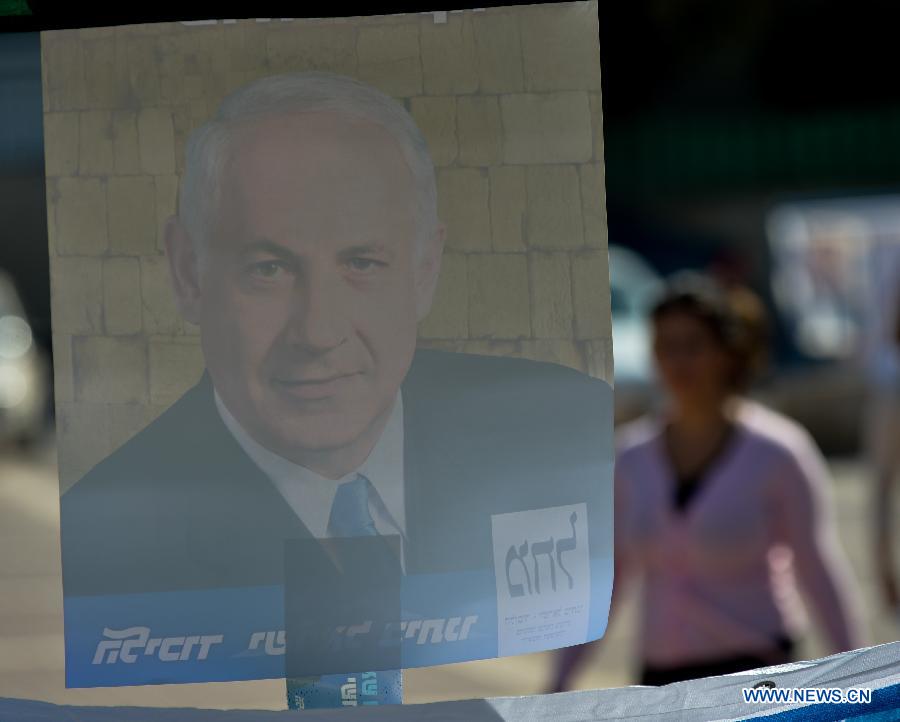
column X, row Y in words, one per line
column 508, row 99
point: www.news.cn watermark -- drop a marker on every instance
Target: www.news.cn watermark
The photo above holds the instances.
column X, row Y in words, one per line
column 806, row 695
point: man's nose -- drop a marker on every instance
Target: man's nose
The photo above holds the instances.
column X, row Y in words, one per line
column 319, row 320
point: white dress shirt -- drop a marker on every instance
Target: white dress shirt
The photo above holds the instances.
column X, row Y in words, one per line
column 311, row 495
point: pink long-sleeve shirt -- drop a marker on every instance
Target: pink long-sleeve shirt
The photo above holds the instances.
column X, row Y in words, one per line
column 721, row 576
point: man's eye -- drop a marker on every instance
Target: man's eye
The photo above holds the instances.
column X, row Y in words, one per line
column 266, row 269
column 362, row 264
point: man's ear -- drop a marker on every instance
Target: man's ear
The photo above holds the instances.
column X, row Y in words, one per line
column 428, row 269
column 184, row 269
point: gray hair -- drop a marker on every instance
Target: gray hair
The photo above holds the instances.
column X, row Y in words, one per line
column 207, row 146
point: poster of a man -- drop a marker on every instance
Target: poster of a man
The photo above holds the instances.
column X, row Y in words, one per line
column 351, row 324
column 307, row 249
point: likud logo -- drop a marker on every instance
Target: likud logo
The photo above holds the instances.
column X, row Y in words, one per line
column 543, row 578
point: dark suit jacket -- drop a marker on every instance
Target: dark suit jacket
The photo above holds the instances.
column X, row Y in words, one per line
column 180, row 506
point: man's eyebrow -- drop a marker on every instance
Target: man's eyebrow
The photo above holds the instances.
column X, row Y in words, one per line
column 264, row 245
column 364, row 249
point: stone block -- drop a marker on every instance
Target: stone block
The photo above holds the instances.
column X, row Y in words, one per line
column 374, row 20
column 463, row 207
column 182, row 126
column 143, row 70
column 245, row 45
column 478, row 347
column 547, row 128
column 551, row 296
column 509, row 201
column 560, row 47
column 61, row 144
column 51, row 195
column 311, row 47
column 449, row 316
column 126, row 149
column 554, row 215
column 122, row 296
column 80, row 216
column 498, row 296
column 110, row 369
column 491, row 347
column 96, row 33
column 82, row 433
column 436, row 118
column 593, row 201
column 144, row 29
column 62, row 66
column 132, row 215
column 102, row 72
column 499, row 48
column 199, row 110
column 597, row 125
column 449, row 56
column 156, row 141
column 172, row 50
column 194, row 90
column 455, row 346
column 480, row 131
column 166, row 206
column 160, row 312
column 599, row 355
column 557, row 351
column 76, row 294
column 206, row 51
column 590, row 294
column 95, row 143
column 237, row 79
column 126, row 420
column 63, row 386
column 389, row 58
column 175, row 366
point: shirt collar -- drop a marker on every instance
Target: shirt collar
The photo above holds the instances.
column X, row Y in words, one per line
column 383, row 467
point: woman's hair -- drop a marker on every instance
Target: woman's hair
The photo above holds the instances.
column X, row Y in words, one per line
column 734, row 315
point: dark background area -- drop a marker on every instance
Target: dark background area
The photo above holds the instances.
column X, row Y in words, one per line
column 715, row 111
column 23, row 213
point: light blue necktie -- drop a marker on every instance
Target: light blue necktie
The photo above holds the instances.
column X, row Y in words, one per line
column 349, row 517
column 350, row 514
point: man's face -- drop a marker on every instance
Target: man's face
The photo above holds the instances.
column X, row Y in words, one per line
column 310, row 292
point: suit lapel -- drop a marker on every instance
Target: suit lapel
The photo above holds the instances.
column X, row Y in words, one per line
column 439, row 470
column 239, row 519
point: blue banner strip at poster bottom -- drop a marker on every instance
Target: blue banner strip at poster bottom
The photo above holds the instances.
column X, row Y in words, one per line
column 221, row 635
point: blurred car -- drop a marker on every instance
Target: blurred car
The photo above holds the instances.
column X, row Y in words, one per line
column 634, row 286
column 23, row 373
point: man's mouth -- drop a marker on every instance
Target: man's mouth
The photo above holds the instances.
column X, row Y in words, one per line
column 313, row 387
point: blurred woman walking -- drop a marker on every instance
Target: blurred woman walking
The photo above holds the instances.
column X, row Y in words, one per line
column 722, row 506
